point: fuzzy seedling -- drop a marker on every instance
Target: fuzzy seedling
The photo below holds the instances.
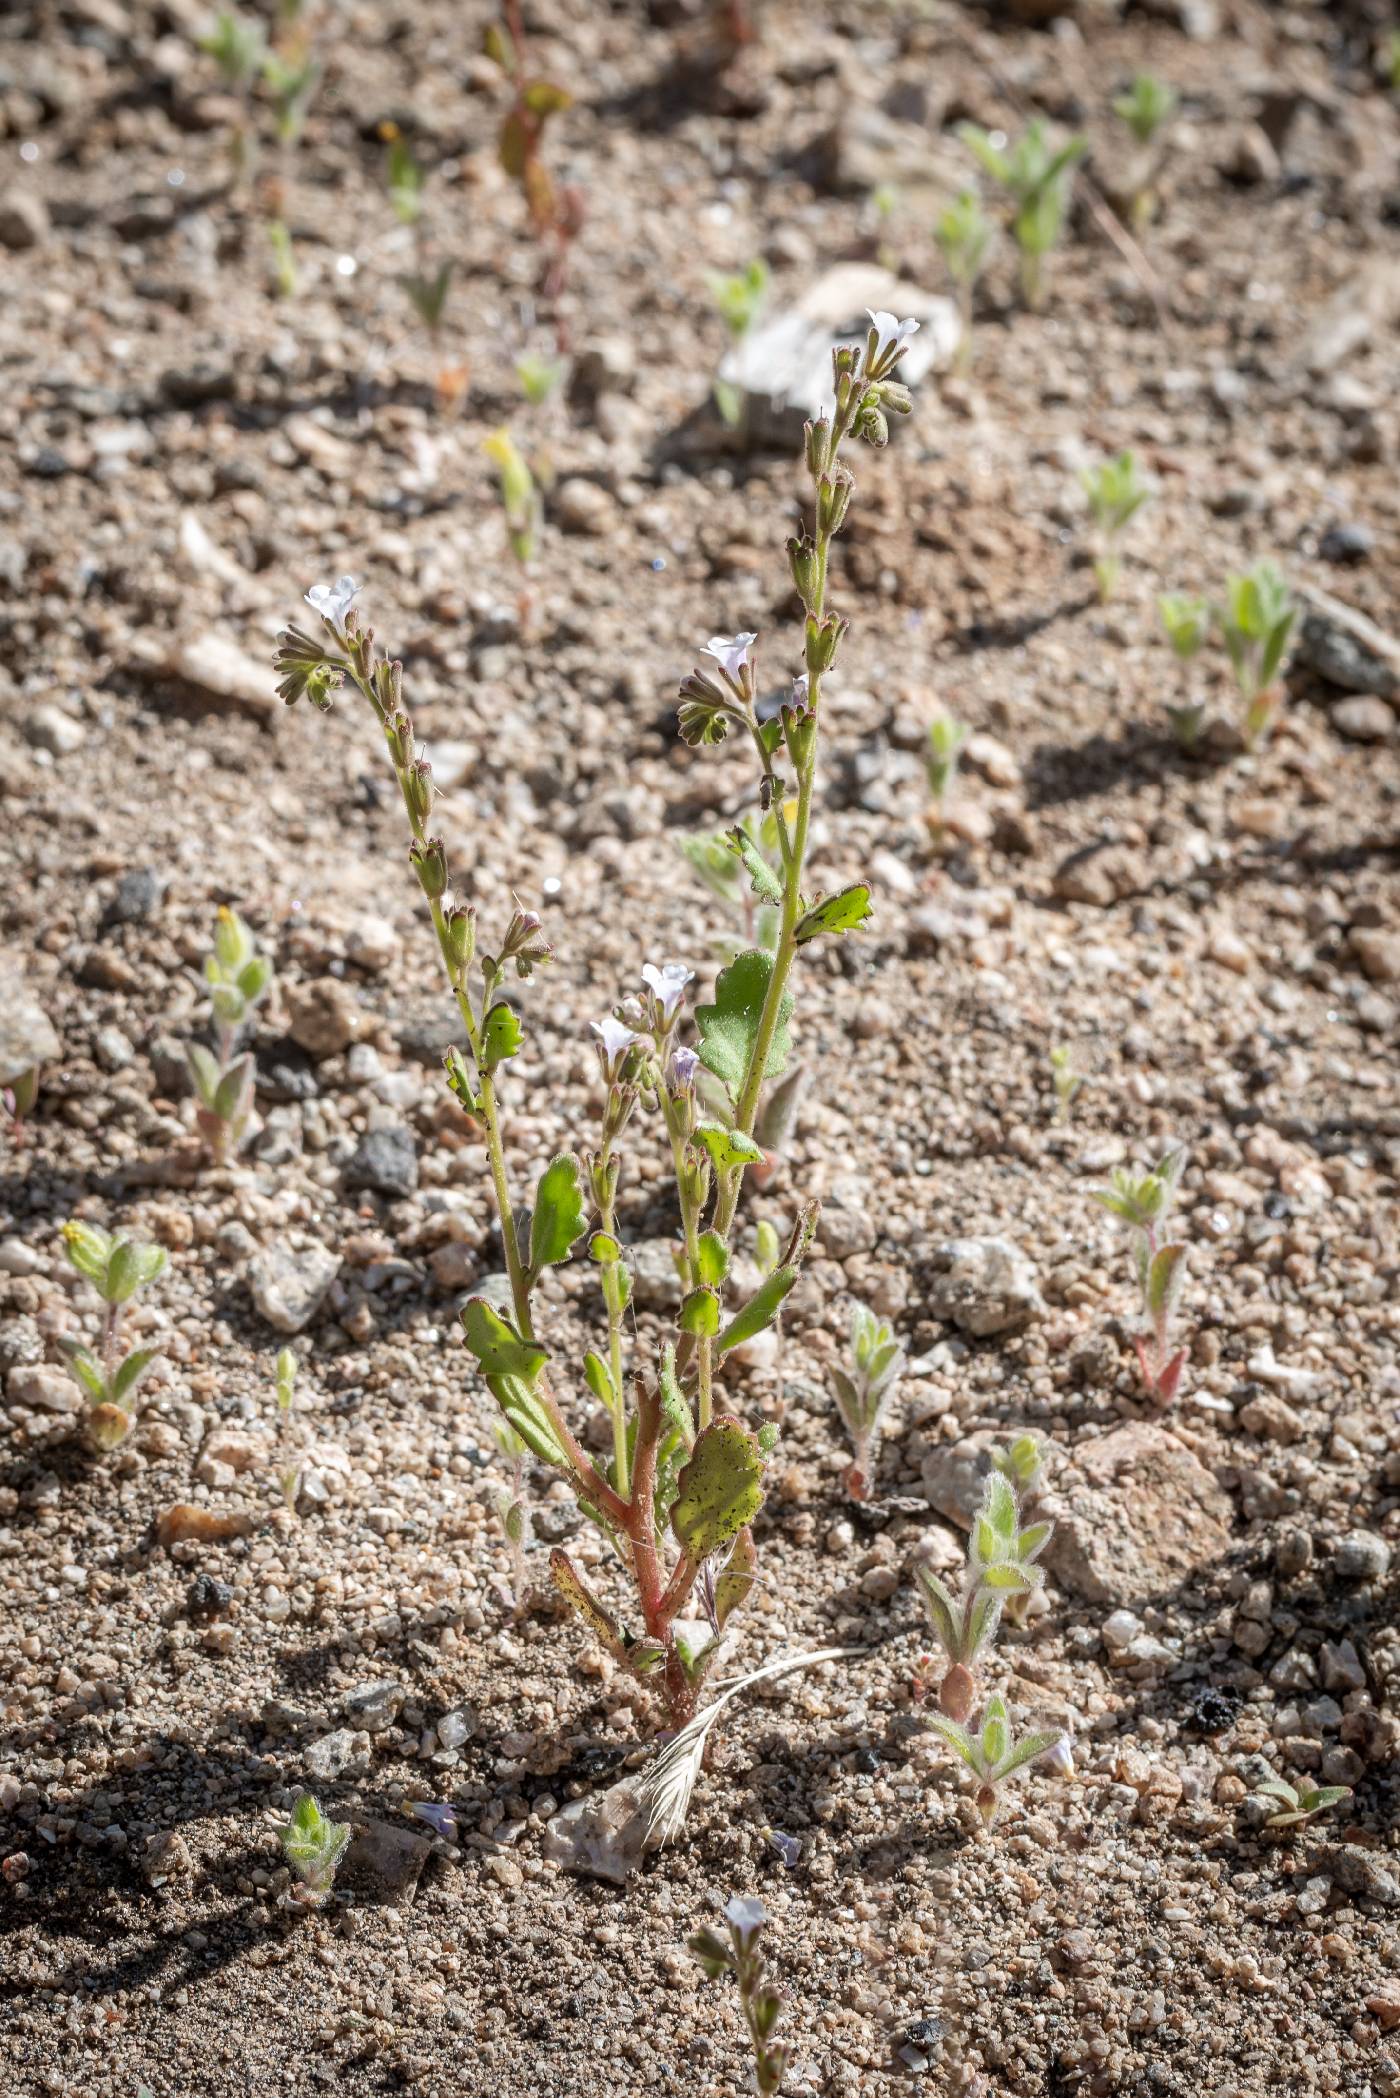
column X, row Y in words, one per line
column 539, row 377
column 947, row 739
column 1255, row 624
column 313, row 1846
column 427, row 284
column 1294, row 1805
column 1143, row 1202
column 520, row 495
column 514, row 1512
column 676, row 1496
column 1187, row 621
column 237, row 44
column 863, row 1391
column 994, row 1753
column 1038, row 177
column 239, row 978
column 1116, row 491
column 1019, row 1462
column 1001, row 1567
column 288, row 1460
column 117, row 1267
column 740, row 1954
column 964, row 236
column 555, row 213
column 1067, row 1082
column 740, row 297
column 1146, row 108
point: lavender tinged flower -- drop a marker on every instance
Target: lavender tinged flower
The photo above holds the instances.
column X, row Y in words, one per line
column 745, row 1913
column 616, row 1040
column 684, row 1065
column 333, row 601
column 889, row 339
column 731, row 652
column 667, row 985
column 801, row 691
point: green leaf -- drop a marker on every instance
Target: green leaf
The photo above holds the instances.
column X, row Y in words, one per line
column 130, row 1268
column 999, row 1507
column 498, row 1348
column 720, row 1490
column 712, row 1256
column 254, row 978
column 89, row 1249
column 459, row 1081
column 501, row 1036
column 204, row 1070
column 604, row 1248
column 1024, row 1751
column 942, row 1610
column 729, row 1147
column 673, row 1398
column 699, row 1313
column 1165, row 1278
column 765, row 883
column 838, row 914
column 959, row 1740
column 996, row 1732
column 760, row 1311
column 559, row 1217
column 729, row 1027
column 131, row 1372
column 228, row 1097
column 736, row 1583
column 527, row 1416
column 86, row 1368
column 598, row 1378
column 580, row 1597
column 542, row 98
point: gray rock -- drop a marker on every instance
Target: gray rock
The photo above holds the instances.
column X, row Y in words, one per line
column 385, row 1162
column 655, row 1284
column 324, row 1016
column 953, row 1473
column 50, row 728
column 1362, row 307
column 27, row 1037
column 1362, row 1556
column 983, row 1286
column 1361, row 1872
column 392, row 1857
column 1136, row 1520
column 604, row 1834
column 216, row 666
column 868, row 149
column 1363, row 719
column 781, row 369
column 137, row 897
column 289, row 1283
column 1347, row 542
column 373, row 1706
column 43, row 1388
column 347, row 1749
column 583, row 507
column 24, row 220
column 1345, row 647
column 842, row 1233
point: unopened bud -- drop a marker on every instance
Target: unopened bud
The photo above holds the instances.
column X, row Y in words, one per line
column 418, row 792
column 461, row 936
column 817, row 437
column 429, row 862
column 823, row 640
column 833, row 500
column 802, row 562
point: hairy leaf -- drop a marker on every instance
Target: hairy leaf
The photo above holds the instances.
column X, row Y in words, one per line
column 559, row 1217
column 765, row 883
column 497, row 1346
column 720, row 1490
column 729, row 1147
column 760, row 1311
column 838, row 914
column 501, row 1035
column 729, row 1027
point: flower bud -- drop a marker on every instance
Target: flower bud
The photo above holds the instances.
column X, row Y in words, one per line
column 461, row 937
column 802, row 563
column 418, row 792
column 895, row 398
column 817, row 443
column 823, row 640
column 833, row 500
column 398, row 734
column 844, row 359
column 429, row 862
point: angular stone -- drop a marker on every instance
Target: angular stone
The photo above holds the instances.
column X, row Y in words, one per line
column 1136, row 1518
column 385, row 1162
column 24, row 220
column 982, row 1286
column 220, row 669
column 1363, row 719
column 374, row 1706
column 1345, row 647
column 392, row 1857
column 1378, row 951
column 347, row 1749
column 27, row 1037
column 289, row 1283
column 1099, row 874
column 324, row 1016
column 604, row 1834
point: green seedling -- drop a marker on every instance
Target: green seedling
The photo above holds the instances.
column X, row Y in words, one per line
column 964, row 235
column 1146, row 108
column 404, row 178
column 1294, row 1805
column 514, row 1512
column 288, row 1460
column 539, row 377
column 676, row 1496
column 1116, row 491
column 739, row 296
column 239, row 978
column 1255, row 625
column 1019, row 1463
column 1038, row 177
column 1187, row 620
column 520, row 496
column 740, row 1954
column 313, row 1846
column 994, row 1753
column 555, row 213
column 863, row 1391
column 1001, row 1566
column 947, row 739
column 117, row 1267
column 1143, row 1202
column 1065, row 1079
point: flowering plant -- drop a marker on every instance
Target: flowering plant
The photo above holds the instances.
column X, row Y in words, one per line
column 677, row 1496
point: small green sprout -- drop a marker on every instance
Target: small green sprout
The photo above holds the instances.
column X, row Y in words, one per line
column 1143, row 1202
column 238, row 978
column 994, row 1753
column 539, row 377
column 767, row 1247
column 238, row 46
column 284, row 266
column 1255, row 625
column 864, row 1389
column 289, row 1466
column 1065, row 1079
column 740, row 296
column 947, row 739
column 1390, row 59
column 964, row 235
column 117, row 1267
column 520, row 495
column 1001, row 1567
column 762, row 2003
column 1146, row 106
column 405, row 179
column 514, row 1512
column 1116, row 491
column 291, row 80
column 1187, row 620
column 1020, row 1464
column 427, row 294
column 313, row 1845
column 1297, row 1804
column 1038, row 177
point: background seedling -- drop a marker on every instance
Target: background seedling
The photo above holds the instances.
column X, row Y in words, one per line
column 1116, row 491
column 1294, row 1805
column 947, row 738
column 964, row 235
column 1143, row 1202
column 313, row 1846
column 741, row 1956
column 239, row 978
column 1065, row 1079
column 740, row 297
column 994, row 1753
column 1001, row 1566
column 288, row 1460
column 555, row 213
column 1038, row 177
column 117, row 1267
column 1255, row 624
column 1146, row 108
column 864, row 1388
column 1187, row 620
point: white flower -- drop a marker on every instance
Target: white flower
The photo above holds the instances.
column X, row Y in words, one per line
column 801, row 688
column 891, row 337
column 731, row 652
column 333, row 601
column 745, row 1913
column 684, row 1063
column 615, row 1038
column 668, row 983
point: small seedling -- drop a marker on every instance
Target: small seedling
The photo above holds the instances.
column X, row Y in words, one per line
column 239, row 979
column 1255, row 625
column 313, row 1846
column 555, row 213
column 1020, row 1463
column 117, row 1267
column 1143, row 1202
column 740, row 1955
column 288, row 1462
column 1293, row 1805
column 1147, row 107
column 964, row 235
column 404, row 178
column 994, row 1753
column 1187, row 620
column 1116, row 491
column 947, row 739
column 514, row 1513
column 539, row 377
column 1038, row 177
column 520, row 495
column 238, row 46
column 1065, row 1079
column 863, row 1391
column 1001, row 1565
column 740, row 296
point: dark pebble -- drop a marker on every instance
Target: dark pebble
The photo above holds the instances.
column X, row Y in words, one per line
column 1347, row 543
column 136, row 897
column 207, row 1596
column 385, row 1162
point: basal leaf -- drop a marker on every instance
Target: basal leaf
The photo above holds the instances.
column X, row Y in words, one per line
column 720, row 1490
column 760, row 1311
column 729, row 1027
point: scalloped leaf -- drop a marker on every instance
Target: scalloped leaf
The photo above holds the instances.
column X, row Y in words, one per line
column 729, row 1027
column 498, row 1348
column 720, row 1490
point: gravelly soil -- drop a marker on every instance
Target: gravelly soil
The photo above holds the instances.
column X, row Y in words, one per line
column 1217, row 939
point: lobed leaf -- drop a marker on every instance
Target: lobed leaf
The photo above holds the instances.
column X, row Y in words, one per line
column 729, row 1027
column 838, row 914
column 720, row 1490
